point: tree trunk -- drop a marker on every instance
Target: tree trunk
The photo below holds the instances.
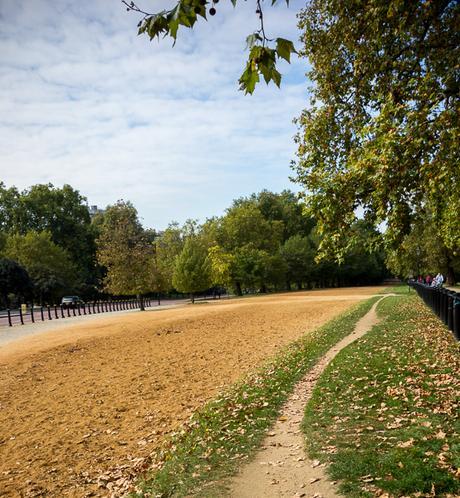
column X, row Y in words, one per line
column 450, row 277
column 239, row 292
column 141, row 302
column 299, row 285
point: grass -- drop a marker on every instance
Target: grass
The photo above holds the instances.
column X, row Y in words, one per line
column 386, row 413
column 229, row 429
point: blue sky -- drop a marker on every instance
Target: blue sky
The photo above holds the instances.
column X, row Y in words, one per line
column 85, row 101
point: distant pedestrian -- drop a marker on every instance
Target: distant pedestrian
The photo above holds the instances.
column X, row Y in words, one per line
column 428, row 279
column 438, row 280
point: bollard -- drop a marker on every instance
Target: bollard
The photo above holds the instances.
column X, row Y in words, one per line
column 55, row 312
column 9, row 317
column 98, row 310
column 84, row 308
column 20, row 315
column 49, row 312
column 32, row 313
column 41, row 313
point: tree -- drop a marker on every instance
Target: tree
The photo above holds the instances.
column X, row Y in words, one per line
column 264, row 53
column 50, row 267
column 14, row 279
column 244, row 224
column 249, row 269
column 167, row 247
column 62, row 212
column 421, row 254
column 299, row 255
column 382, row 133
column 192, row 269
column 125, row 252
column 221, row 264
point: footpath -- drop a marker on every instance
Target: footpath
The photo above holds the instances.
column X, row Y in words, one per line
column 281, row 468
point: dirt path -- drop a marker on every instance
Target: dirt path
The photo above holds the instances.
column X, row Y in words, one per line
column 79, row 402
column 281, row 469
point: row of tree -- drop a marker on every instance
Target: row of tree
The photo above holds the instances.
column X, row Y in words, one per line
column 50, row 246
column 262, row 243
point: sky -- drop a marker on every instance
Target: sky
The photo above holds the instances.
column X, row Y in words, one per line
column 85, row 101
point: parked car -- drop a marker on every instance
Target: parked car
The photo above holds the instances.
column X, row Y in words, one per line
column 71, row 301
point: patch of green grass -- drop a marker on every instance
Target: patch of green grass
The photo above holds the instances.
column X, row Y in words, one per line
column 227, row 430
column 385, row 414
column 398, row 289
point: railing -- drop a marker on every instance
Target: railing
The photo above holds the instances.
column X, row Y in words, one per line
column 444, row 303
column 42, row 313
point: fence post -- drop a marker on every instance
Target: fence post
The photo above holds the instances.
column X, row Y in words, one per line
column 450, row 310
column 9, row 317
column 32, row 312
column 456, row 316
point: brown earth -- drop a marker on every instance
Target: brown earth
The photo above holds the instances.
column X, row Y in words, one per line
column 77, row 402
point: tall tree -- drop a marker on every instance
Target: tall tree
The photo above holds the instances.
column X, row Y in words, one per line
column 62, row 212
column 192, row 269
column 50, row 267
column 125, row 252
column 382, row 133
column 14, row 279
column 168, row 246
column 298, row 253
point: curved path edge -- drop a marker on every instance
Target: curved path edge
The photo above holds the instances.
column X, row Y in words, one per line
column 281, row 468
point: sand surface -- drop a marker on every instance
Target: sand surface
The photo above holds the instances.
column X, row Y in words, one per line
column 78, row 402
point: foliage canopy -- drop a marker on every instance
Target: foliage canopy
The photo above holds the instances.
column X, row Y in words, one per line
column 382, row 133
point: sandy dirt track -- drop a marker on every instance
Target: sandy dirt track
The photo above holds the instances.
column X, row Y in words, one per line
column 79, row 401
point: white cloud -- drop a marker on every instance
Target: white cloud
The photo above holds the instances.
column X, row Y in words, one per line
column 85, row 101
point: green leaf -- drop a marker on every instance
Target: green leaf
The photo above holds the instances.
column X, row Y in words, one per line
column 284, row 48
column 249, row 79
column 276, row 77
column 266, row 72
column 252, row 40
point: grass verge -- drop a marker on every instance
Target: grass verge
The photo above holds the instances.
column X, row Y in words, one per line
column 227, row 430
column 385, row 415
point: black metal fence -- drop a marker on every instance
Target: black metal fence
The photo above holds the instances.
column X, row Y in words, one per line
column 444, row 303
column 41, row 313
